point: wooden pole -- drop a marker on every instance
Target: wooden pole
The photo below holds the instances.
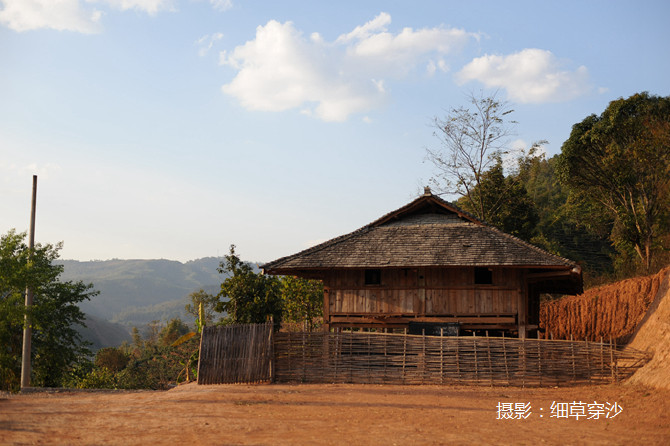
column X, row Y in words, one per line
column 505, row 358
column 441, row 355
column 572, row 351
column 612, row 360
column 27, row 329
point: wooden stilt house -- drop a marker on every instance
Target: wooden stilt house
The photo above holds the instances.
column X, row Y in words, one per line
column 430, row 264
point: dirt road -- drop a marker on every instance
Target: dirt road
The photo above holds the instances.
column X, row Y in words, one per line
column 338, row 414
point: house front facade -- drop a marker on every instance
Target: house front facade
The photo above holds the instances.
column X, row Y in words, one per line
column 429, row 264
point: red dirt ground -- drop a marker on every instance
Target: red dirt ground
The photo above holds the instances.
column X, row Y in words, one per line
column 330, row 414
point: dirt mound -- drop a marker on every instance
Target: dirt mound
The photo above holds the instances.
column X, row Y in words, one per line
column 610, row 311
column 654, row 335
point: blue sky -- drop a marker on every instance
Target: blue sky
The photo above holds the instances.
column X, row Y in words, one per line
column 174, row 128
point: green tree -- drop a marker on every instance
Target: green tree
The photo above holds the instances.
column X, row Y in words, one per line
column 56, row 344
column 302, row 300
column 250, row 297
column 208, row 302
column 138, row 343
column 619, row 164
column 173, row 330
column 510, row 209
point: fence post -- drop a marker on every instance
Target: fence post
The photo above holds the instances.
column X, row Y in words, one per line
column 385, row 356
column 289, row 349
column 423, row 358
column 505, row 358
column 525, row 366
column 304, row 365
column 458, row 357
column 338, row 352
column 572, row 351
column 588, row 358
column 441, row 355
column 612, row 360
column 602, row 359
column 488, row 349
column 404, row 353
column 474, row 343
column 272, row 352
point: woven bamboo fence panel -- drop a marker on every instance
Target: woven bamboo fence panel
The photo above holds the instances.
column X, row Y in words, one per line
column 379, row 358
column 235, row 354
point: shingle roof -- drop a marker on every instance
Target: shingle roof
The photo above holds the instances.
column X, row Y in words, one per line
column 428, row 232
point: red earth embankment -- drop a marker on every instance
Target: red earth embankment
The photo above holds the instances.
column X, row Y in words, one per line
column 636, row 311
column 610, row 311
column 654, row 335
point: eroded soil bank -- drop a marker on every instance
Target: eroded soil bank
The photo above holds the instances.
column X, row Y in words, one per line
column 609, row 311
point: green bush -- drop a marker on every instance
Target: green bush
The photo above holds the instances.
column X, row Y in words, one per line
column 111, row 358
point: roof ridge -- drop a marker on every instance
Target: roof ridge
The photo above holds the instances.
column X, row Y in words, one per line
column 414, row 208
column 426, row 197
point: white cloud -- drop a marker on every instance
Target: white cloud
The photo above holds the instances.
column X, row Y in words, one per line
column 221, row 5
column 398, row 53
column 529, row 76
column 149, row 6
column 69, row 15
column 281, row 69
column 61, row 15
column 206, row 43
column 432, row 67
column 363, row 32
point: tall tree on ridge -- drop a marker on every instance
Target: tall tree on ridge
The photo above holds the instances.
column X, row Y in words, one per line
column 620, row 162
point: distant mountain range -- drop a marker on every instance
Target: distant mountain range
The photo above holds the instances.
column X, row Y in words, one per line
column 136, row 292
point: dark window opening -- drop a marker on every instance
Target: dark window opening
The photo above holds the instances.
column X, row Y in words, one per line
column 373, row 277
column 483, row 276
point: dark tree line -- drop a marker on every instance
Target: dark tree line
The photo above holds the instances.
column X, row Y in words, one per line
column 603, row 201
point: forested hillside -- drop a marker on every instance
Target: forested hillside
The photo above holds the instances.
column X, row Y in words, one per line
column 135, row 292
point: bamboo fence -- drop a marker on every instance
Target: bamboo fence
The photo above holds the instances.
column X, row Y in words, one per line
column 380, row 358
column 235, row 354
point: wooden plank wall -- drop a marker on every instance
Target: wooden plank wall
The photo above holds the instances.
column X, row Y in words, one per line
column 240, row 353
column 442, row 291
column 379, row 358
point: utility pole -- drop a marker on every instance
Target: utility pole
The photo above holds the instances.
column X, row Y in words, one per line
column 27, row 328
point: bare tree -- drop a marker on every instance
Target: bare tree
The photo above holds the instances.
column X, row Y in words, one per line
column 473, row 140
